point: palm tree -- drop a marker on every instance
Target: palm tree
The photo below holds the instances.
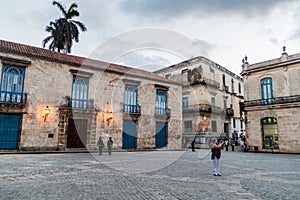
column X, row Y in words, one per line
column 57, row 41
column 65, row 29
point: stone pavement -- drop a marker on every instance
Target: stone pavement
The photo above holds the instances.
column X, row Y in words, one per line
column 149, row 175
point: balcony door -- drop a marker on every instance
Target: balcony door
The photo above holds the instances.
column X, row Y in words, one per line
column 12, row 83
column 80, row 92
column 266, row 91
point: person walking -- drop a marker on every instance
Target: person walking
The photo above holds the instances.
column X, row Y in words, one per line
column 193, row 145
column 216, row 155
column 100, row 145
column 109, row 145
column 226, row 143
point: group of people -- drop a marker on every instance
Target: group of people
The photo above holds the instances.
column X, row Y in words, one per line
column 109, row 144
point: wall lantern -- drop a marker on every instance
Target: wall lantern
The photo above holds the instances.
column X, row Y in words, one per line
column 46, row 113
column 109, row 117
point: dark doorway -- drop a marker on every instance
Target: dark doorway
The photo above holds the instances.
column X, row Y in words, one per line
column 77, row 133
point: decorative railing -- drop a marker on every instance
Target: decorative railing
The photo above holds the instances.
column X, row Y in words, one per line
column 13, row 97
column 79, row 103
column 212, row 83
column 197, row 108
column 132, row 109
column 162, row 112
column 272, row 101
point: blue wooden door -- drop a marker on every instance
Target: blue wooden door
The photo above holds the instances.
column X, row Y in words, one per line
column 9, row 131
column 161, row 135
column 129, row 135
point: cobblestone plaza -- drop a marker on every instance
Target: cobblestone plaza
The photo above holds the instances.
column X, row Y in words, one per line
column 149, row 175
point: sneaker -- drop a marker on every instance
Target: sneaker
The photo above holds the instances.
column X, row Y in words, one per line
column 219, row 174
column 215, row 174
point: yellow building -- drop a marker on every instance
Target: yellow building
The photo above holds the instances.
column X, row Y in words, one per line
column 211, row 97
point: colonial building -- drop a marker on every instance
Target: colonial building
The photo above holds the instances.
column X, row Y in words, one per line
column 55, row 101
column 272, row 104
column 211, row 98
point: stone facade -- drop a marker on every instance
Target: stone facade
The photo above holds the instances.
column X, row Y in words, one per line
column 211, row 99
column 272, row 104
column 48, row 83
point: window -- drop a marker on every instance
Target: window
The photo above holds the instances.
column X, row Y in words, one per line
column 213, row 126
column 80, row 92
column 240, row 89
column 161, row 99
column 168, row 76
column 224, row 82
column 266, row 91
column 12, row 83
column 232, row 85
column 213, row 103
column 130, row 99
column 212, row 74
column 185, row 104
column 234, row 125
column 188, row 126
column 242, row 126
column 269, row 133
column 225, row 104
column 184, row 75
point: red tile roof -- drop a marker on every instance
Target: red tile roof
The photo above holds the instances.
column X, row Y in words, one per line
column 36, row 52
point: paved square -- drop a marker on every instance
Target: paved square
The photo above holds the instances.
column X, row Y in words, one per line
column 149, row 175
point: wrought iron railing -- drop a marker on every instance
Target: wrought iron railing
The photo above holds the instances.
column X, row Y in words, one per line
column 132, row 109
column 13, row 97
column 197, row 108
column 79, row 103
column 272, row 101
column 163, row 112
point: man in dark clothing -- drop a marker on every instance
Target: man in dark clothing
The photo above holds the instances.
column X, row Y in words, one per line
column 193, row 145
column 109, row 145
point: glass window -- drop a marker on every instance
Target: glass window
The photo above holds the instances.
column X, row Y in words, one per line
column 188, row 126
column 232, row 85
column 213, row 103
column 266, row 91
column 213, row 126
column 223, row 82
column 161, row 100
column 270, row 133
column 130, row 99
column 185, row 104
column 80, row 92
column 12, row 83
column 240, row 88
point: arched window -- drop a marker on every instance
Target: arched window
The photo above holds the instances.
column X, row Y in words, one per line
column 161, row 101
column 266, row 91
column 130, row 99
column 80, row 92
column 269, row 133
column 12, row 83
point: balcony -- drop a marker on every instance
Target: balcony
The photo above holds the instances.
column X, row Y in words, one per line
column 272, row 101
column 132, row 111
column 203, row 108
column 212, row 83
column 78, row 104
column 13, row 99
column 229, row 112
column 164, row 113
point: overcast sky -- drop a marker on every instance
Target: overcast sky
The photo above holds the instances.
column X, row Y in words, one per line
column 223, row 30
